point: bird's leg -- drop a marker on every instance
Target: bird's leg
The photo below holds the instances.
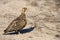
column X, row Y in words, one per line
column 16, row 32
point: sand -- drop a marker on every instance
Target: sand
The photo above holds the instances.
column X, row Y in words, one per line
column 45, row 13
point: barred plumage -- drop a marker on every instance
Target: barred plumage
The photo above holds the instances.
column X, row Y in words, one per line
column 18, row 23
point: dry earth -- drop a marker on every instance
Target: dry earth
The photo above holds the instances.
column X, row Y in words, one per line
column 46, row 14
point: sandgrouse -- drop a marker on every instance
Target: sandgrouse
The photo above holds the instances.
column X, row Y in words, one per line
column 17, row 24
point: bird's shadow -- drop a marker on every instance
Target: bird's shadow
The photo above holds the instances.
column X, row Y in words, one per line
column 23, row 31
column 26, row 30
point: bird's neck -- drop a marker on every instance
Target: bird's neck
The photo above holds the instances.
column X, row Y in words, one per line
column 22, row 16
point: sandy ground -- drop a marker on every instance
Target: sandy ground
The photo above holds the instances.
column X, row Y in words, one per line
column 46, row 14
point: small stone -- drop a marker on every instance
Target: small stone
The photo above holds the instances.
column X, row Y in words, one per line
column 57, row 35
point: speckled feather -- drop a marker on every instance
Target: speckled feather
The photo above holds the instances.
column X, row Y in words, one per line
column 17, row 24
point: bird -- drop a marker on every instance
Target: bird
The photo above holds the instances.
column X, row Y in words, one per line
column 17, row 24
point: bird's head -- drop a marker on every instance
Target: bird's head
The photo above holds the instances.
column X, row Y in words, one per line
column 24, row 10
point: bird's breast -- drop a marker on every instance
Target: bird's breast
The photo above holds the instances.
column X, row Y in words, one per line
column 22, row 23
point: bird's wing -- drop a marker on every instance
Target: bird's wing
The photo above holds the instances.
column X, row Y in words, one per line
column 21, row 24
column 12, row 24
